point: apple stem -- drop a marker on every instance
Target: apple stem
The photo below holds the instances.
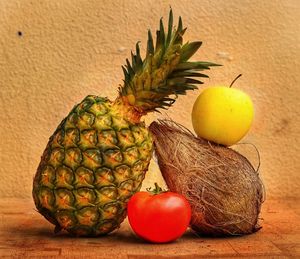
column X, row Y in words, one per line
column 235, row 80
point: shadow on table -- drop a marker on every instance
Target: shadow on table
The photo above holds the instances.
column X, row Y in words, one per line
column 43, row 232
column 124, row 235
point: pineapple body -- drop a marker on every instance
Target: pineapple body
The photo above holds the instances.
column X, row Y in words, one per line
column 93, row 163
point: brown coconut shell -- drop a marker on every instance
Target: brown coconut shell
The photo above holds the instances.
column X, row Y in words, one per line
column 223, row 188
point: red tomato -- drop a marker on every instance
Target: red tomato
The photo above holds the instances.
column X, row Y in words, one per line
column 159, row 218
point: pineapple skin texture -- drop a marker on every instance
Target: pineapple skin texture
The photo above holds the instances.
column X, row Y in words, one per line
column 93, row 163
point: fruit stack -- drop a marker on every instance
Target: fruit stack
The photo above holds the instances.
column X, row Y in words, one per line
column 97, row 158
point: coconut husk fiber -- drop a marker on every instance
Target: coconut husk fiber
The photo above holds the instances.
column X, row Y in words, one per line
column 223, row 188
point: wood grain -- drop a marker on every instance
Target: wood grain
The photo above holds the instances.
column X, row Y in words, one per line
column 24, row 233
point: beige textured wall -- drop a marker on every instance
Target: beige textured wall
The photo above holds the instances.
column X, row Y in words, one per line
column 72, row 48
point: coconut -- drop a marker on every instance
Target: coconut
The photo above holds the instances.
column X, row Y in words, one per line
column 223, row 188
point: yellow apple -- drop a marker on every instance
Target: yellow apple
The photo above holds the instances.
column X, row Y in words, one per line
column 222, row 114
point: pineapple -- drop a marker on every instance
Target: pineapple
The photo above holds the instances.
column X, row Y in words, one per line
column 98, row 156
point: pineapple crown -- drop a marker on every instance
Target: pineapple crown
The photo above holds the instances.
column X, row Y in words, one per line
column 166, row 71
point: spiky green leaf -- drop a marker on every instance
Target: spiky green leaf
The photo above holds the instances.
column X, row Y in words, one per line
column 166, row 71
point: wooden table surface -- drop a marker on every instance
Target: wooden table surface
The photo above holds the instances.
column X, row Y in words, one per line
column 24, row 233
